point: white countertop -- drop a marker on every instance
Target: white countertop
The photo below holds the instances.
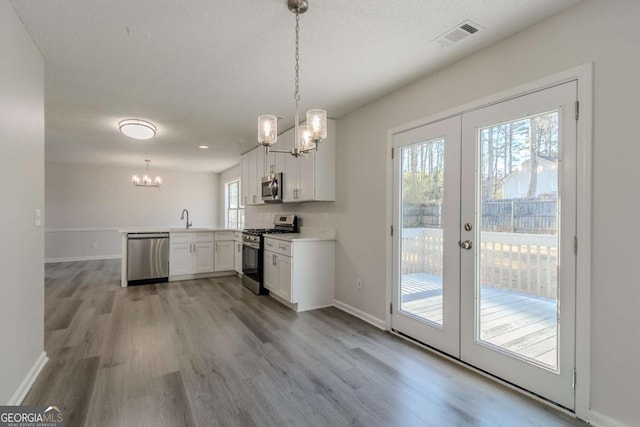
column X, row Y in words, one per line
column 297, row 237
column 173, row 230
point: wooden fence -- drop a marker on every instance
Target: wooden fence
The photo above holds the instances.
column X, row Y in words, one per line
column 516, row 261
column 535, row 216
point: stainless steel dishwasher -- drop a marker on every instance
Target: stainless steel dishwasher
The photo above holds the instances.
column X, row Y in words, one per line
column 147, row 258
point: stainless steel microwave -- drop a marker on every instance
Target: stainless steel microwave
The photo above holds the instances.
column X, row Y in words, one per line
column 272, row 188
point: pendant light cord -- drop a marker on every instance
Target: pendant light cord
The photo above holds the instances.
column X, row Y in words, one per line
column 296, row 92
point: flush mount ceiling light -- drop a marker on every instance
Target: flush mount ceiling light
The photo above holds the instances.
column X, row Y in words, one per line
column 137, row 128
column 146, row 180
column 203, row 146
column 314, row 131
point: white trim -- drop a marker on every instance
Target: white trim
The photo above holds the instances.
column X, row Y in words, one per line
column 584, row 75
column 584, row 163
column 81, row 258
column 372, row 320
column 599, row 419
column 28, row 380
column 78, row 230
column 488, row 376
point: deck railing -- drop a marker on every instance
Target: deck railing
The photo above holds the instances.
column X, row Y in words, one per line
column 516, row 261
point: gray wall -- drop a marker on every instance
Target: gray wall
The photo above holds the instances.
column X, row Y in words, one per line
column 21, row 192
column 87, row 204
column 600, row 31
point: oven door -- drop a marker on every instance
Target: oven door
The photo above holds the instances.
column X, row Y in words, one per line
column 251, row 267
column 272, row 188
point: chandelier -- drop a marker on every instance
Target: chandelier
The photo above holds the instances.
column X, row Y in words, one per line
column 307, row 136
column 146, row 180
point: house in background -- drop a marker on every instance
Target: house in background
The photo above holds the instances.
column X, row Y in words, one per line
column 515, row 185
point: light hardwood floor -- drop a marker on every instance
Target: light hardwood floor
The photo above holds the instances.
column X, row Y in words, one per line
column 210, row 353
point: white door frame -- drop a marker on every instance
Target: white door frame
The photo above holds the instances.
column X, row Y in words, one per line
column 584, row 75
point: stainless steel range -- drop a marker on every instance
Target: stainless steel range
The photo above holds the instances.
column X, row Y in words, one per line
column 253, row 247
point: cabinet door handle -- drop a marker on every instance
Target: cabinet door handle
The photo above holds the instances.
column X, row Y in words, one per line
column 216, row 247
column 238, row 246
column 274, row 259
column 284, row 248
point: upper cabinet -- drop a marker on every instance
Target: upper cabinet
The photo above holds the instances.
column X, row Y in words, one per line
column 252, row 167
column 305, row 179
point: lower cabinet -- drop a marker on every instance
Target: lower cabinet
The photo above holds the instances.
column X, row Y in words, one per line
column 224, row 255
column 300, row 273
column 201, row 252
column 203, row 257
column 180, row 259
column 277, row 274
column 238, row 257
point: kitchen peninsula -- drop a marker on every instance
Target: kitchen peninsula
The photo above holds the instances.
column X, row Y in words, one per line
column 172, row 254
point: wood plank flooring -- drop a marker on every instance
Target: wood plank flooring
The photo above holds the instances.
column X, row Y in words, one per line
column 517, row 322
column 210, row 353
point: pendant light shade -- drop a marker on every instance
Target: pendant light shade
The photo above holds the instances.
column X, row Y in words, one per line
column 267, row 129
column 317, row 124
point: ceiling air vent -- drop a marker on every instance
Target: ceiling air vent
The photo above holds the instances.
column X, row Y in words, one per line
column 457, row 34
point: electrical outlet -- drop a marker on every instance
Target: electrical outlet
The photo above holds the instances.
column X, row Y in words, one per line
column 359, row 284
column 94, row 245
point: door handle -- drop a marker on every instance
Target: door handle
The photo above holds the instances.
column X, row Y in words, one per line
column 467, row 244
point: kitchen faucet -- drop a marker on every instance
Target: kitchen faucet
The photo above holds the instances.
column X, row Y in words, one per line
column 182, row 217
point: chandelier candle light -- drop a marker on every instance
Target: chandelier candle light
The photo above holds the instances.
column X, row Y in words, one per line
column 314, row 131
column 146, row 180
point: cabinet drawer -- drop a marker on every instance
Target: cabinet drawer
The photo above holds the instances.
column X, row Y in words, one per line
column 203, row 237
column 224, row 235
column 278, row 246
column 180, row 238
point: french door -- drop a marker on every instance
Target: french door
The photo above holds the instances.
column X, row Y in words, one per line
column 484, row 262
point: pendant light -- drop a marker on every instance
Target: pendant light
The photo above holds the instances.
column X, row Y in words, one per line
column 307, row 137
column 146, row 180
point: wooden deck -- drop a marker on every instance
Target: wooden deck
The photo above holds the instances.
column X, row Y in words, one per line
column 515, row 322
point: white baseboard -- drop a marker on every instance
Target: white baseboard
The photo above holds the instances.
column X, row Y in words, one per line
column 28, row 381
column 81, row 258
column 599, row 419
column 378, row 323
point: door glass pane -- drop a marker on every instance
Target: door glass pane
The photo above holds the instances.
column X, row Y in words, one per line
column 422, row 191
column 518, row 238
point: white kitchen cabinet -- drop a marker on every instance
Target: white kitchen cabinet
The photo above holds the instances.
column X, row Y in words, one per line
column 203, row 257
column 284, row 265
column 224, row 255
column 252, row 171
column 270, row 271
column 237, row 256
column 277, row 274
column 224, row 252
column 300, row 273
column 180, row 259
column 237, row 260
column 245, row 167
column 190, row 253
column 312, row 178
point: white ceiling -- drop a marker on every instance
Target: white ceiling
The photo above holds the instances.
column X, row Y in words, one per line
column 203, row 70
